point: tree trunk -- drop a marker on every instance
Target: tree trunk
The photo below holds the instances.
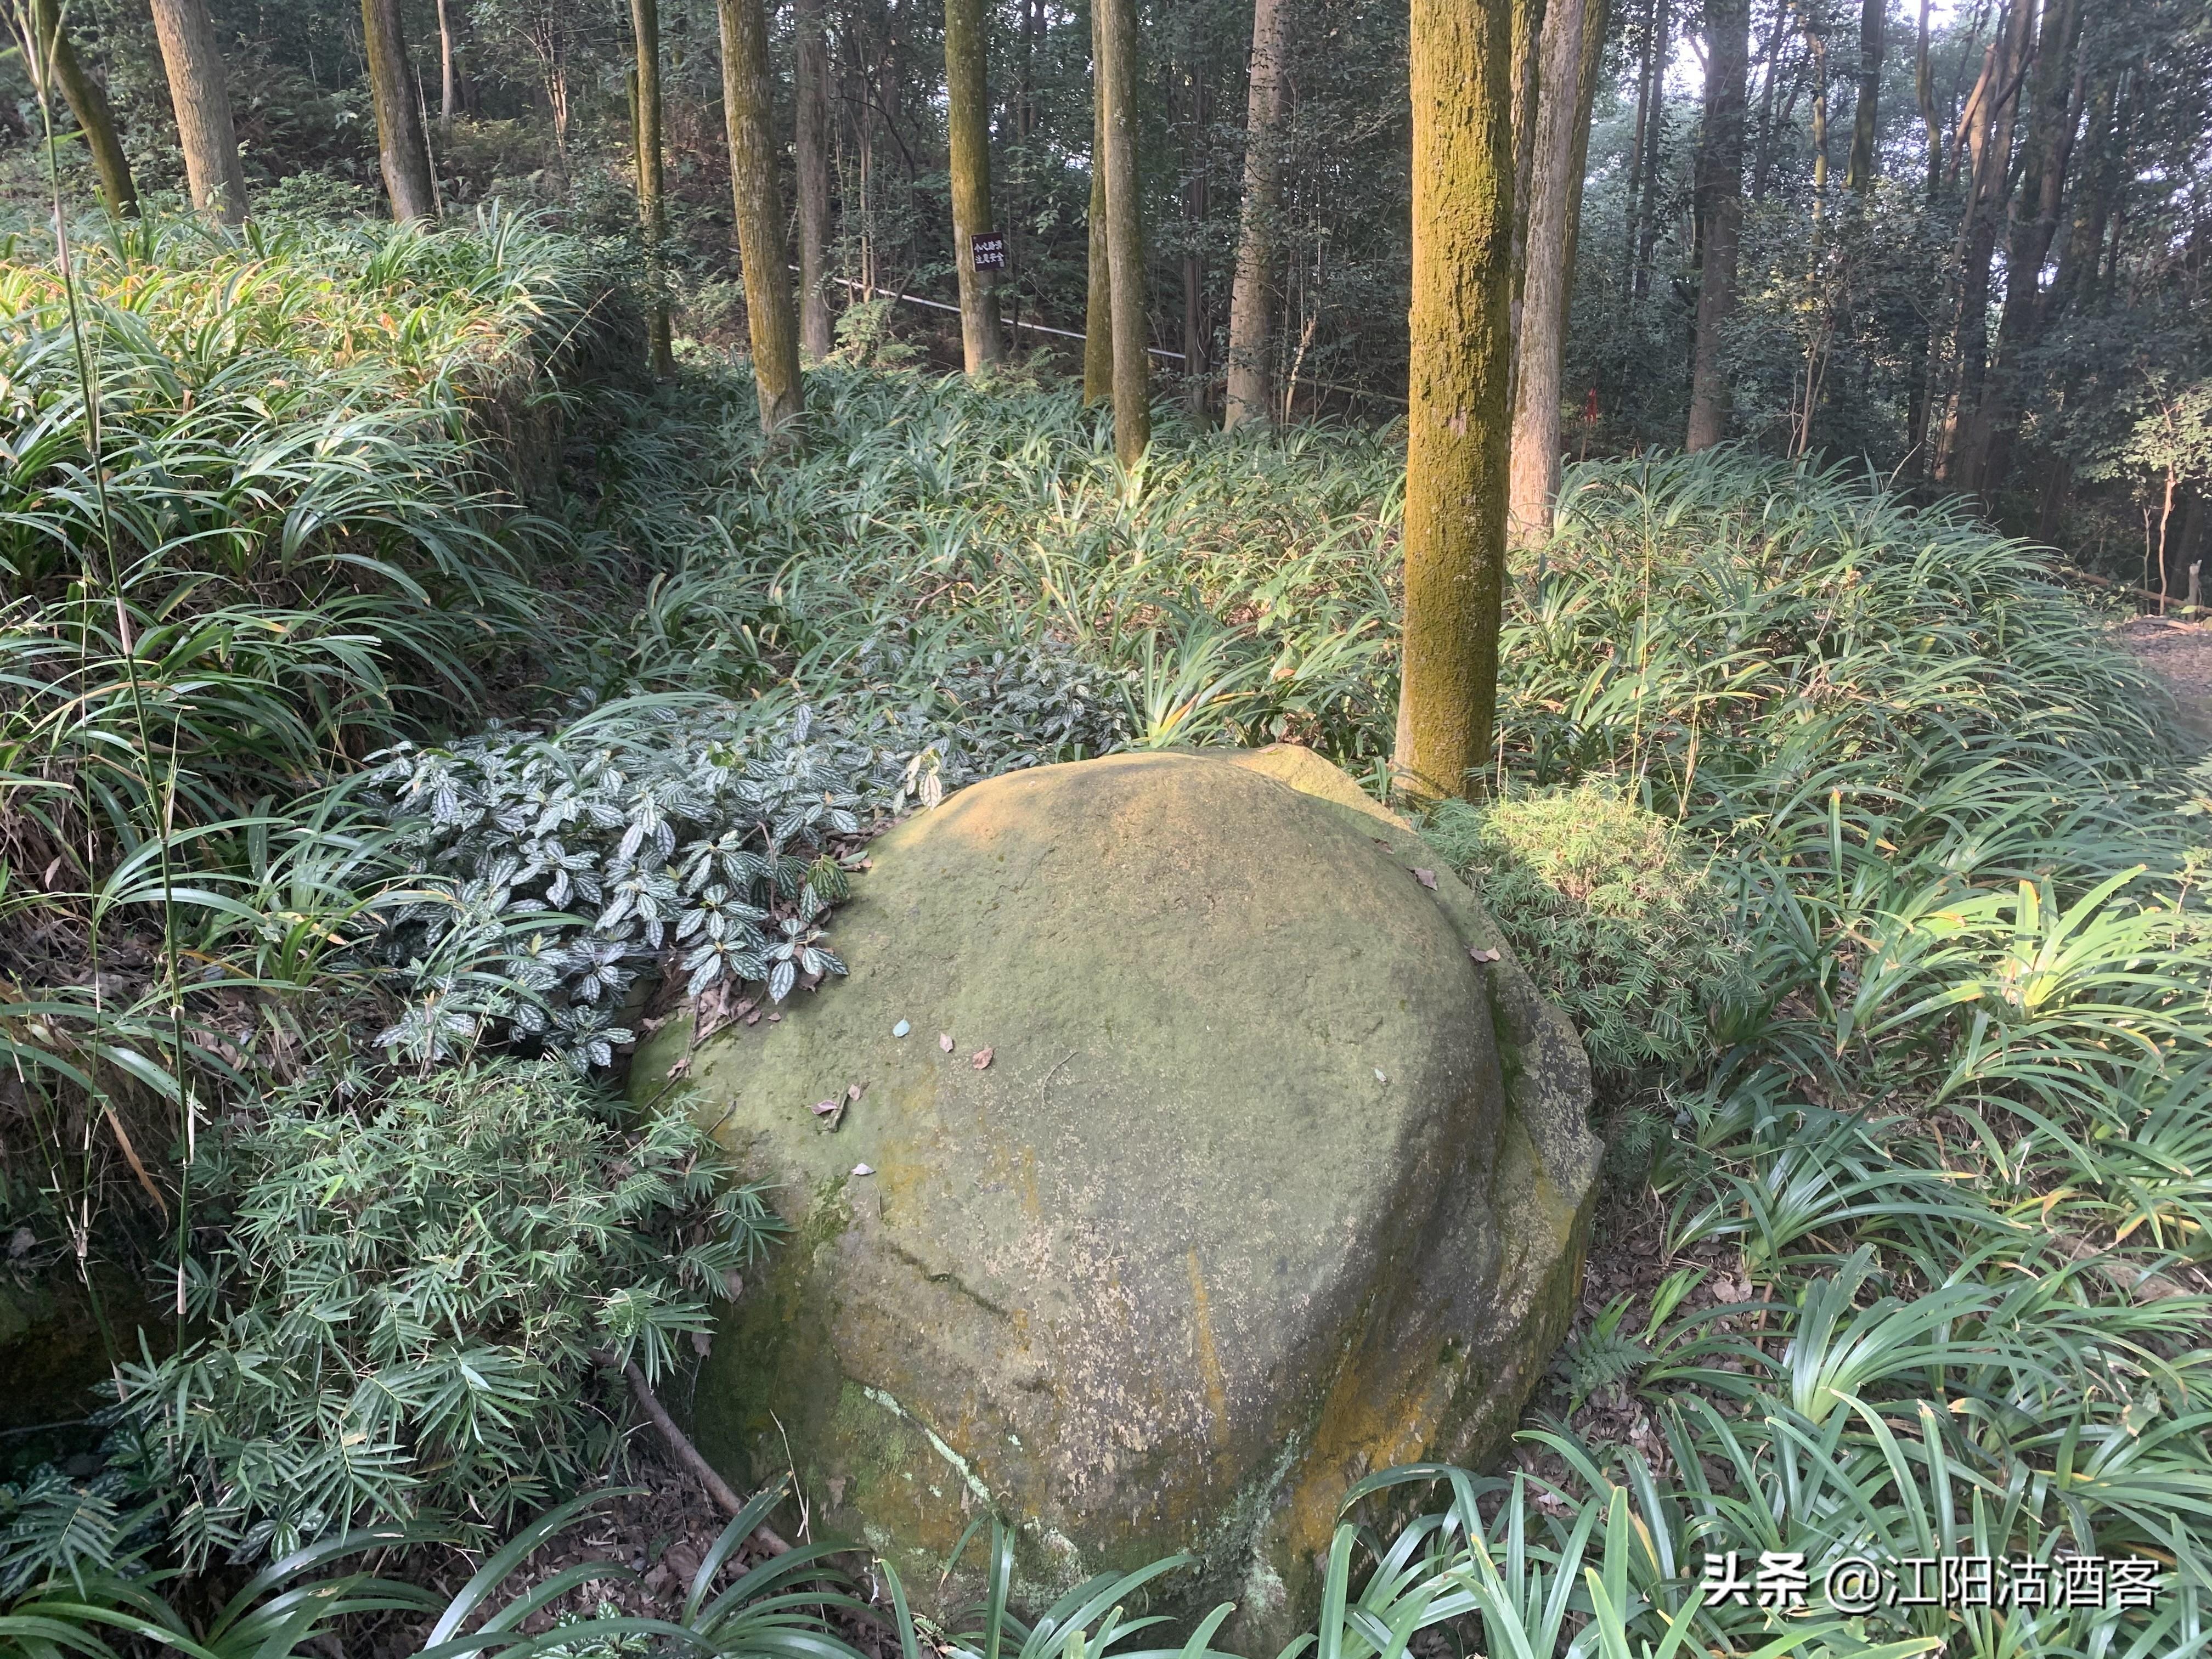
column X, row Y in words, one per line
column 2054, row 113
column 1098, row 296
column 1534, row 477
column 968, row 123
column 1858, row 176
column 1527, row 72
column 1251, row 395
column 1596, row 16
column 1720, row 214
column 1125, row 250
column 88, row 105
column 1647, row 211
column 449, row 71
column 810, row 150
column 213, row 172
column 652, row 207
column 1195, row 331
column 747, row 96
column 1455, row 448
column 402, row 148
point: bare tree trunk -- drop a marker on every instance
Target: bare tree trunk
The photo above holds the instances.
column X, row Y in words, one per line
column 1720, row 214
column 651, row 206
column 1536, row 454
column 810, row 150
column 88, row 105
column 1858, row 176
column 747, row 96
column 1098, row 296
column 213, row 172
column 449, row 71
column 1596, row 17
column 1251, row 386
column 1455, row 450
column 1527, row 72
column 402, row 148
column 969, row 127
column 1194, row 331
column 1125, row 250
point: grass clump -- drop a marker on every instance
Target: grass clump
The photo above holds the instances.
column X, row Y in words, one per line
column 404, row 1299
column 1615, row 915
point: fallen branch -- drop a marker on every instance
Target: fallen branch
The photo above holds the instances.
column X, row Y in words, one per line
column 720, row 1489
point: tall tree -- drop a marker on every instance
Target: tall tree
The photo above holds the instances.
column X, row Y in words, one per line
column 652, row 207
column 449, row 69
column 1858, row 174
column 748, row 93
column 402, row 148
column 1719, row 191
column 213, row 172
column 1647, row 214
column 60, row 66
column 1455, row 447
column 968, row 121
column 1098, row 294
column 810, row 151
column 1535, row 450
column 1251, row 395
column 1125, row 249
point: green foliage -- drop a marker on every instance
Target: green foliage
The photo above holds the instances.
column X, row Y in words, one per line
column 1616, row 917
column 405, row 1299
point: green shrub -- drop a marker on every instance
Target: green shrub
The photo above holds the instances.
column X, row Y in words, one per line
column 1619, row 923
column 405, row 1299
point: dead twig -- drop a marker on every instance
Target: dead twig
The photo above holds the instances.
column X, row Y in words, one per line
column 687, row 1453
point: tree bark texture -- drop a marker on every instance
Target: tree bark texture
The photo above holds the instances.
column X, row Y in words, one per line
column 969, row 124
column 213, row 172
column 1597, row 17
column 1251, row 395
column 449, row 71
column 747, row 96
column 1535, row 473
column 1125, row 249
column 1647, row 212
column 90, row 107
column 403, row 149
column 1098, row 296
column 1720, row 214
column 1460, row 356
column 810, row 151
column 652, row 205
column 1858, row 174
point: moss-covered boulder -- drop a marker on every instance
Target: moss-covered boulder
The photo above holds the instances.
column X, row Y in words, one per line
column 1251, row 1166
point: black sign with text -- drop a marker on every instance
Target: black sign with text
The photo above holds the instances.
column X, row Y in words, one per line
column 987, row 251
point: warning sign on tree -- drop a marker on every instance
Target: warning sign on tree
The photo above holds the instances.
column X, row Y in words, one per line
column 989, row 250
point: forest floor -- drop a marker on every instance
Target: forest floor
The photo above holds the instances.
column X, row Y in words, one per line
column 2180, row 654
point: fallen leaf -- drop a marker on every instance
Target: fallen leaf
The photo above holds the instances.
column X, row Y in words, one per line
column 852, row 1091
column 980, row 1059
column 824, row 1108
column 753, row 1018
column 1481, row 955
column 862, row 1169
column 775, row 1019
column 681, row 1067
column 945, row 1040
column 1427, row 878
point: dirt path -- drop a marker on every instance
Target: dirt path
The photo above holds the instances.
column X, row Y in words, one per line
column 2179, row 653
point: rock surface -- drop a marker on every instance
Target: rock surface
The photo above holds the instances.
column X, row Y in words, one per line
column 1265, row 1183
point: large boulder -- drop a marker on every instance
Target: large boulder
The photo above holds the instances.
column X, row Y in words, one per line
column 1277, row 1173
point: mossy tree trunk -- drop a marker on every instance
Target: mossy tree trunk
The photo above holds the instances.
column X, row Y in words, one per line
column 1858, row 174
column 1535, row 463
column 810, row 151
column 1251, row 395
column 747, row 104
column 968, row 121
column 402, row 149
column 1124, row 248
column 1455, row 451
column 651, row 206
column 1098, row 296
column 88, row 105
column 197, row 91
column 1720, row 214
